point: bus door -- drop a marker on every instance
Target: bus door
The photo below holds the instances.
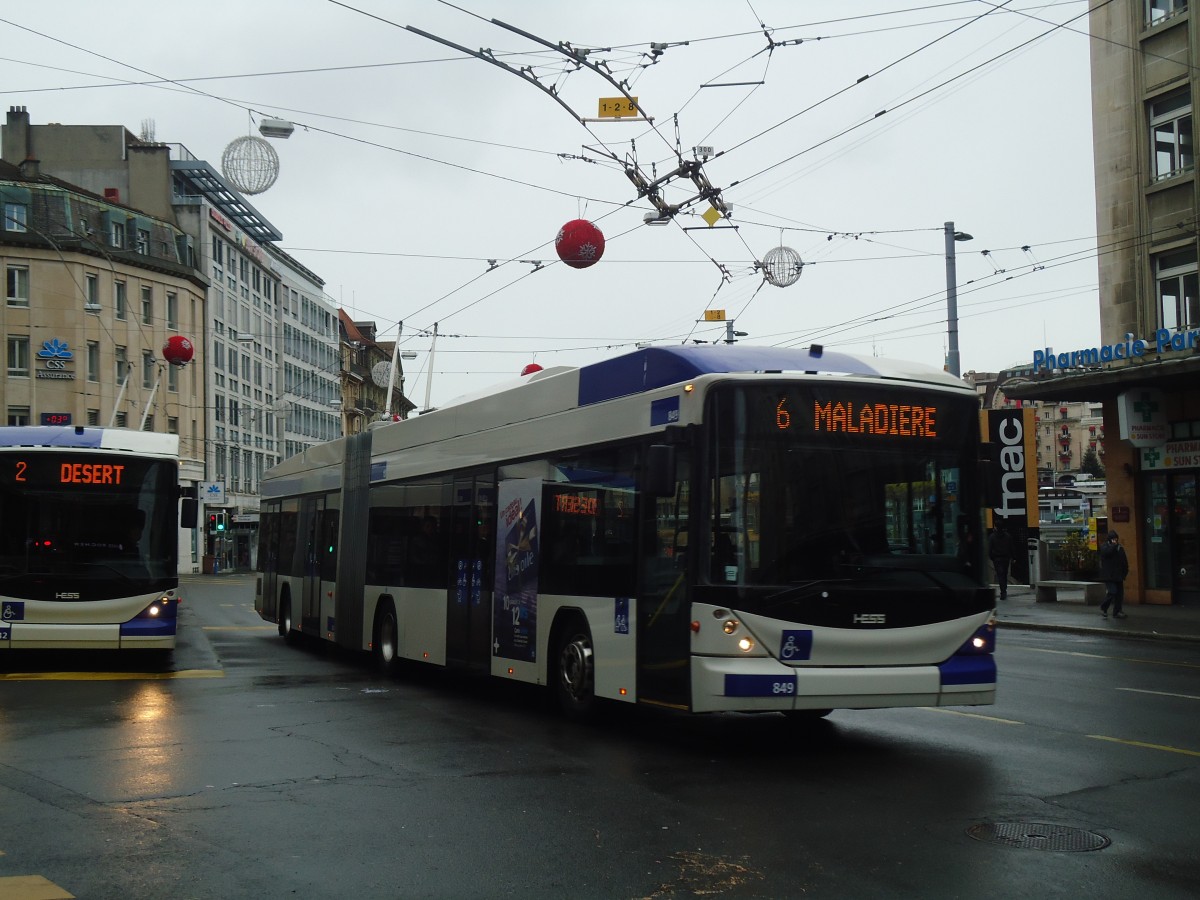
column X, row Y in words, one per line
column 312, row 514
column 472, row 560
column 664, row 597
column 268, row 560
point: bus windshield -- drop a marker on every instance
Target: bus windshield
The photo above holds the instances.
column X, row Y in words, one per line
column 838, row 480
column 86, row 526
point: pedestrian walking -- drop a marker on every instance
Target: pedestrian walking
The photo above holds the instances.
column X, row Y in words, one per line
column 1114, row 566
column 1000, row 549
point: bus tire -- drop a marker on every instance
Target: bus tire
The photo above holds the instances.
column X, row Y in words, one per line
column 575, row 670
column 385, row 639
column 285, row 620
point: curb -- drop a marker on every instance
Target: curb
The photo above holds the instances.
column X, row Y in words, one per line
column 1104, row 632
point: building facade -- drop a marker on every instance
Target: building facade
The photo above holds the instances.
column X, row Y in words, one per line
column 1146, row 370
column 366, row 377
column 309, row 342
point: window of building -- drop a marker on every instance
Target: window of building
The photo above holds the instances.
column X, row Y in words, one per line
column 172, row 310
column 122, row 361
column 1171, row 134
column 172, row 425
column 116, row 236
column 16, row 217
column 143, row 241
column 147, row 305
column 93, row 361
column 173, row 379
column 121, row 419
column 91, row 292
column 1178, row 288
column 93, row 417
column 147, row 369
column 18, row 357
column 120, row 299
column 18, row 415
column 1161, row 10
column 17, row 280
column 148, row 425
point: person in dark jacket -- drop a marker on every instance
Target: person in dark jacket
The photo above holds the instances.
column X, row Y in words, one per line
column 1114, row 566
column 1000, row 549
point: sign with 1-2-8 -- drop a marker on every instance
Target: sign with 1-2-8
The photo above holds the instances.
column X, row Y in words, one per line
column 618, row 108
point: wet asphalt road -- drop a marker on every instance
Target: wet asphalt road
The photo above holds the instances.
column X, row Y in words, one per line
column 247, row 768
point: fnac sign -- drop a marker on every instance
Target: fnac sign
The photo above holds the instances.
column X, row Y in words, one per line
column 1011, row 432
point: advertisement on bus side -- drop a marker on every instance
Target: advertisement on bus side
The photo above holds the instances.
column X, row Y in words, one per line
column 514, row 609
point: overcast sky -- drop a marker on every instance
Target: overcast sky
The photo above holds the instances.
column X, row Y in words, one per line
column 412, row 165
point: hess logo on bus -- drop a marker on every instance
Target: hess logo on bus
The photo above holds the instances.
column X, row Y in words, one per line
column 869, row 619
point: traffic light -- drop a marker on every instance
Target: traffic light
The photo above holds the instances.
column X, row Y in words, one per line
column 216, row 522
column 220, row 521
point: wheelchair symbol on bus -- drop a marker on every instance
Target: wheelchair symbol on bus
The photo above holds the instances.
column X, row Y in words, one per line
column 796, row 645
column 12, row 611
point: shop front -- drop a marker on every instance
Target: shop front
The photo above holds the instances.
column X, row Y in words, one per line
column 1152, row 461
column 1171, row 542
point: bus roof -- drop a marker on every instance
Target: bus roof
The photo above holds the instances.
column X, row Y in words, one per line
column 655, row 367
column 80, row 437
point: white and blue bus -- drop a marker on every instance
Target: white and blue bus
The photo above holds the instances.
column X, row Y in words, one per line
column 703, row 528
column 89, row 537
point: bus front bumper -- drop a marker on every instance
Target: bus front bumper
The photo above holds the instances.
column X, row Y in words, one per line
column 766, row 685
column 136, row 634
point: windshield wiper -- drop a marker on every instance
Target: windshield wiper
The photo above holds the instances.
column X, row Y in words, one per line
column 798, row 591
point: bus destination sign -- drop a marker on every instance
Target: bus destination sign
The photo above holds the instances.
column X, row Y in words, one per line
column 42, row 471
column 863, row 418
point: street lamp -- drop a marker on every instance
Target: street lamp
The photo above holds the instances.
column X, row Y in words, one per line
column 952, row 363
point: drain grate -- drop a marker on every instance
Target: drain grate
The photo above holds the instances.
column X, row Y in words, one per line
column 1038, row 836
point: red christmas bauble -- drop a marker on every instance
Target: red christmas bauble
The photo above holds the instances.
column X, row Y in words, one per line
column 579, row 244
column 531, row 368
column 178, row 350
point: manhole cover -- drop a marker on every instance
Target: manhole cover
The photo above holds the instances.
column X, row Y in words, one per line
column 1038, row 836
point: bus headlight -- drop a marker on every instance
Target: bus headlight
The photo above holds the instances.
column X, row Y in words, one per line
column 162, row 608
column 746, row 644
column 983, row 641
column 730, row 626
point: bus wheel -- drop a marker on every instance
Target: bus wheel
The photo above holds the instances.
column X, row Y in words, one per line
column 575, row 682
column 385, row 640
column 285, row 620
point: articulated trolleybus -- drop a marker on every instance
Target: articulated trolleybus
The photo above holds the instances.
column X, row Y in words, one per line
column 704, row 528
column 89, row 538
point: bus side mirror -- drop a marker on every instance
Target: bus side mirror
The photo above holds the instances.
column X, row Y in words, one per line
column 989, row 475
column 658, row 479
column 187, row 512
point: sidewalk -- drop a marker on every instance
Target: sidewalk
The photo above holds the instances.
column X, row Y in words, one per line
column 1070, row 613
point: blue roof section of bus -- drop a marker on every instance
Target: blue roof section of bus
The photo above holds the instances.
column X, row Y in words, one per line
column 89, row 438
column 655, row 367
column 50, row 436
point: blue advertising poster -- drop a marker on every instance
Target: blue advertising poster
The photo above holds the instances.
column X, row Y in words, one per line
column 514, row 604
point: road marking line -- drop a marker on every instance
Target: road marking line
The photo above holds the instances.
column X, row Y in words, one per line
column 239, row 627
column 1102, row 737
column 955, row 712
column 111, row 676
column 31, row 887
column 1160, row 693
column 1134, row 659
